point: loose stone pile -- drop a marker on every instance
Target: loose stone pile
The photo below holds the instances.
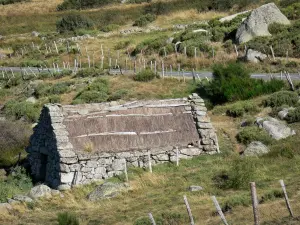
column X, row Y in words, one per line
column 55, row 160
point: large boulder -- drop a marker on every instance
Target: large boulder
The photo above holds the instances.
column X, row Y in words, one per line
column 275, row 128
column 258, row 22
column 106, row 190
column 255, row 148
column 40, row 191
column 254, row 56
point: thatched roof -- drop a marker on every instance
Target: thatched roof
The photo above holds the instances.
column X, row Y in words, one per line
column 132, row 126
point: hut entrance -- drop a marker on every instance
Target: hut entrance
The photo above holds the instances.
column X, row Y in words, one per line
column 43, row 168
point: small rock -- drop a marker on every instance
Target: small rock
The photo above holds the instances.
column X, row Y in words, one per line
column 64, row 187
column 5, row 207
column 254, row 56
column 55, row 192
column 22, row 198
column 40, row 191
column 195, row 188
column 106, row 190
column 256, row 148
column 284, row 112
column 31, row 100
column 35, row 34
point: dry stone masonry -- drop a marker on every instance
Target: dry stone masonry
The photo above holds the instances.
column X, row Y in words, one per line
column 82, row 143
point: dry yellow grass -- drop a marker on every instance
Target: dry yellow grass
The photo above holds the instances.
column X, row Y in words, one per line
column 187, row 16
column 32, row 7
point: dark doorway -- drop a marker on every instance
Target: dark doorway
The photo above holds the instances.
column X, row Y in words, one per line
column 43, row 168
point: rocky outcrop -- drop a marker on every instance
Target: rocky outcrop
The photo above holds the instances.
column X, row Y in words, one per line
column 254, row 56
column 195, row 188
column 255, row 148
column 257, row 23
column 275, row 128
column 107, row 190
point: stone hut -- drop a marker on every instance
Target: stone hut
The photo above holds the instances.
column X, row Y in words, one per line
column 77, row 144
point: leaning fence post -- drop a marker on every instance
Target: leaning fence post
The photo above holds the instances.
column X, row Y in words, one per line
column 188, row 210
column 254, row 203
column 149, row 159
column 286, row 198
column 177, row 156
column 219, row 210
column 125, row 171
column 152, row 219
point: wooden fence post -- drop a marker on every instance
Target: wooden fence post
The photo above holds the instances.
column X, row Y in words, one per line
column 177, row 156
column 254, row 203
column 236, row 51
column 221, row 214
column 286, row 198
column 272, row 51
column 151, row 219
column 188, row 210
column 125, row 171
column 149, row 159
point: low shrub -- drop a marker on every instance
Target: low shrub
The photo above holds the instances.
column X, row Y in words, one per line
column 236, row 200
column 253, row 133
column 96, row 92
column 90, row 72
column 54, row 99
column 122, row 45
column 26, row 110
column 145, row 76
column 6, row 2
column 144, row 20
column 67, row 218
column 240, row 108
column 280, row 98
column 16, row 183
column 138, row 1
column 110, row 27
column 293, row 116
column 119, row 94
column 14, row 137
column 43, row 90
column 75, row 4
column 73, row 22
column 271, row 196
column 233, row 83
column 242, row 171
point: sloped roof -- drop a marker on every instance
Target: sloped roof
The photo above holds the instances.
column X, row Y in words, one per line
column 131, row 126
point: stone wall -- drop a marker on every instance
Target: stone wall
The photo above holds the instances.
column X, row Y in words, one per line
column 66, row 167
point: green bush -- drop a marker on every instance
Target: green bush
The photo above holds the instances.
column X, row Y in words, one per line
column 233, row 83
column 73, row 22
column 96, row 92
column 17, row 110
column 54, row 99
column 241, row 173
column 67, row 218
column 253, row 133
column 119, row 94
column 292, row 11
column 144, row 20
column 43, row 90
column 90, row 72
column 110, row 27
column 145, row 76
column 238, row 109
column 237, row 200
column 150, row 46
column 122, row 45
column 6, row 2
column 293, row 116
column 84, row 4
column 271, row 196
column 16, row 183
column 14, row 138
column 280, row 98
